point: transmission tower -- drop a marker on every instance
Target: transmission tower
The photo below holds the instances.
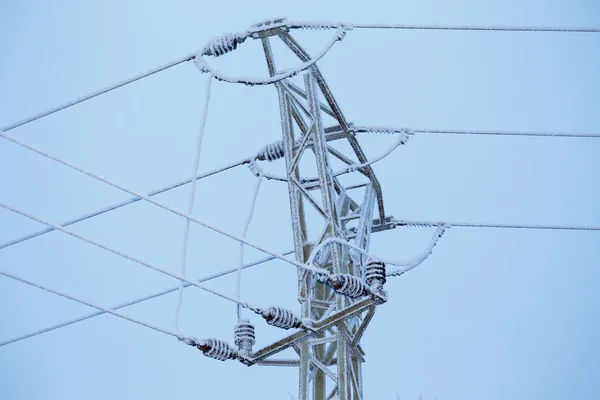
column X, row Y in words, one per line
column 339, row 307
column 339, row 286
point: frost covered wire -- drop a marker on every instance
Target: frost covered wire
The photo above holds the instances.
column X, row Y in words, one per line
column 496, row 225
column 121, row 204
column 426, row 253
column 136, row 301
column 244, row 233
column 163, row 206
column 384, row 130
column 203, row 66
column 401, row 263
column 329, row 25
column 354, row 167
column 186, row 229
column 98, row 92
column 129, row 257
column 87, row 303
column 276, row 148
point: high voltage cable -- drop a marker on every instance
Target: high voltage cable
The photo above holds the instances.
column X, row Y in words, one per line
column 436, row 27
column 119, row 205
column 87, row 303
column 130, row 257
column 300, row 25
column 186, row 229
column 416, row 223
column 156, row 203
column 476, row 28
column 386, row 130
column 137, row 301
column 98, row 92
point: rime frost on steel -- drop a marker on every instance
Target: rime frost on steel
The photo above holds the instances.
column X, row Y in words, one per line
column 244, row 336
column 281, row 318
column 348, row 285
column 217, row 349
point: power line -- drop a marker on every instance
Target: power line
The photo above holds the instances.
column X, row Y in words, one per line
column 137, row 301
column 146, row 198
column 87, row 303
column 437, row 27
column 119, row 205
column 476, row 28
column 186, row 229
column 99, row 92
column 129, row 257
column 385, row 130
column 417, row 223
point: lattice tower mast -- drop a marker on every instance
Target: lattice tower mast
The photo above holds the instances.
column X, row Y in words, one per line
column 331, row 359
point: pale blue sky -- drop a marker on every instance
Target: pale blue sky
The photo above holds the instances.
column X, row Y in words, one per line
column 491, row 315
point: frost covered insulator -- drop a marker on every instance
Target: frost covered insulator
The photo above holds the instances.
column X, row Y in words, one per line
column 217, row 349
column 348, row 285
column 222, row 44
column 281, row 318
column 244, row 336
column 271, row 152
column 375, row 273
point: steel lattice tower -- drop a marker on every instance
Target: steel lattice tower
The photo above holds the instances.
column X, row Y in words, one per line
column 330, row 357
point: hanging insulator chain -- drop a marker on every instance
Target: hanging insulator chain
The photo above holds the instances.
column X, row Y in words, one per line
column 274, row 151
column 281, row 318
column 223, row 44
column 217, row 349
column 244, row 336
column 348, row 285
column 271, row 152
column 375, row 278
column 375, row 273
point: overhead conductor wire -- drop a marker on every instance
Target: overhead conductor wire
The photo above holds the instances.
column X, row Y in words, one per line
column 87, row 303
column 186, row 229
column 158, row 204
column 136, row 301
column 244, row 233
column 99, row 92
column 119, row 205
column 439, row 27
column 129, row 257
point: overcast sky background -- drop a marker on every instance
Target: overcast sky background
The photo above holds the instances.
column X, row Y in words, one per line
column 493, row 314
